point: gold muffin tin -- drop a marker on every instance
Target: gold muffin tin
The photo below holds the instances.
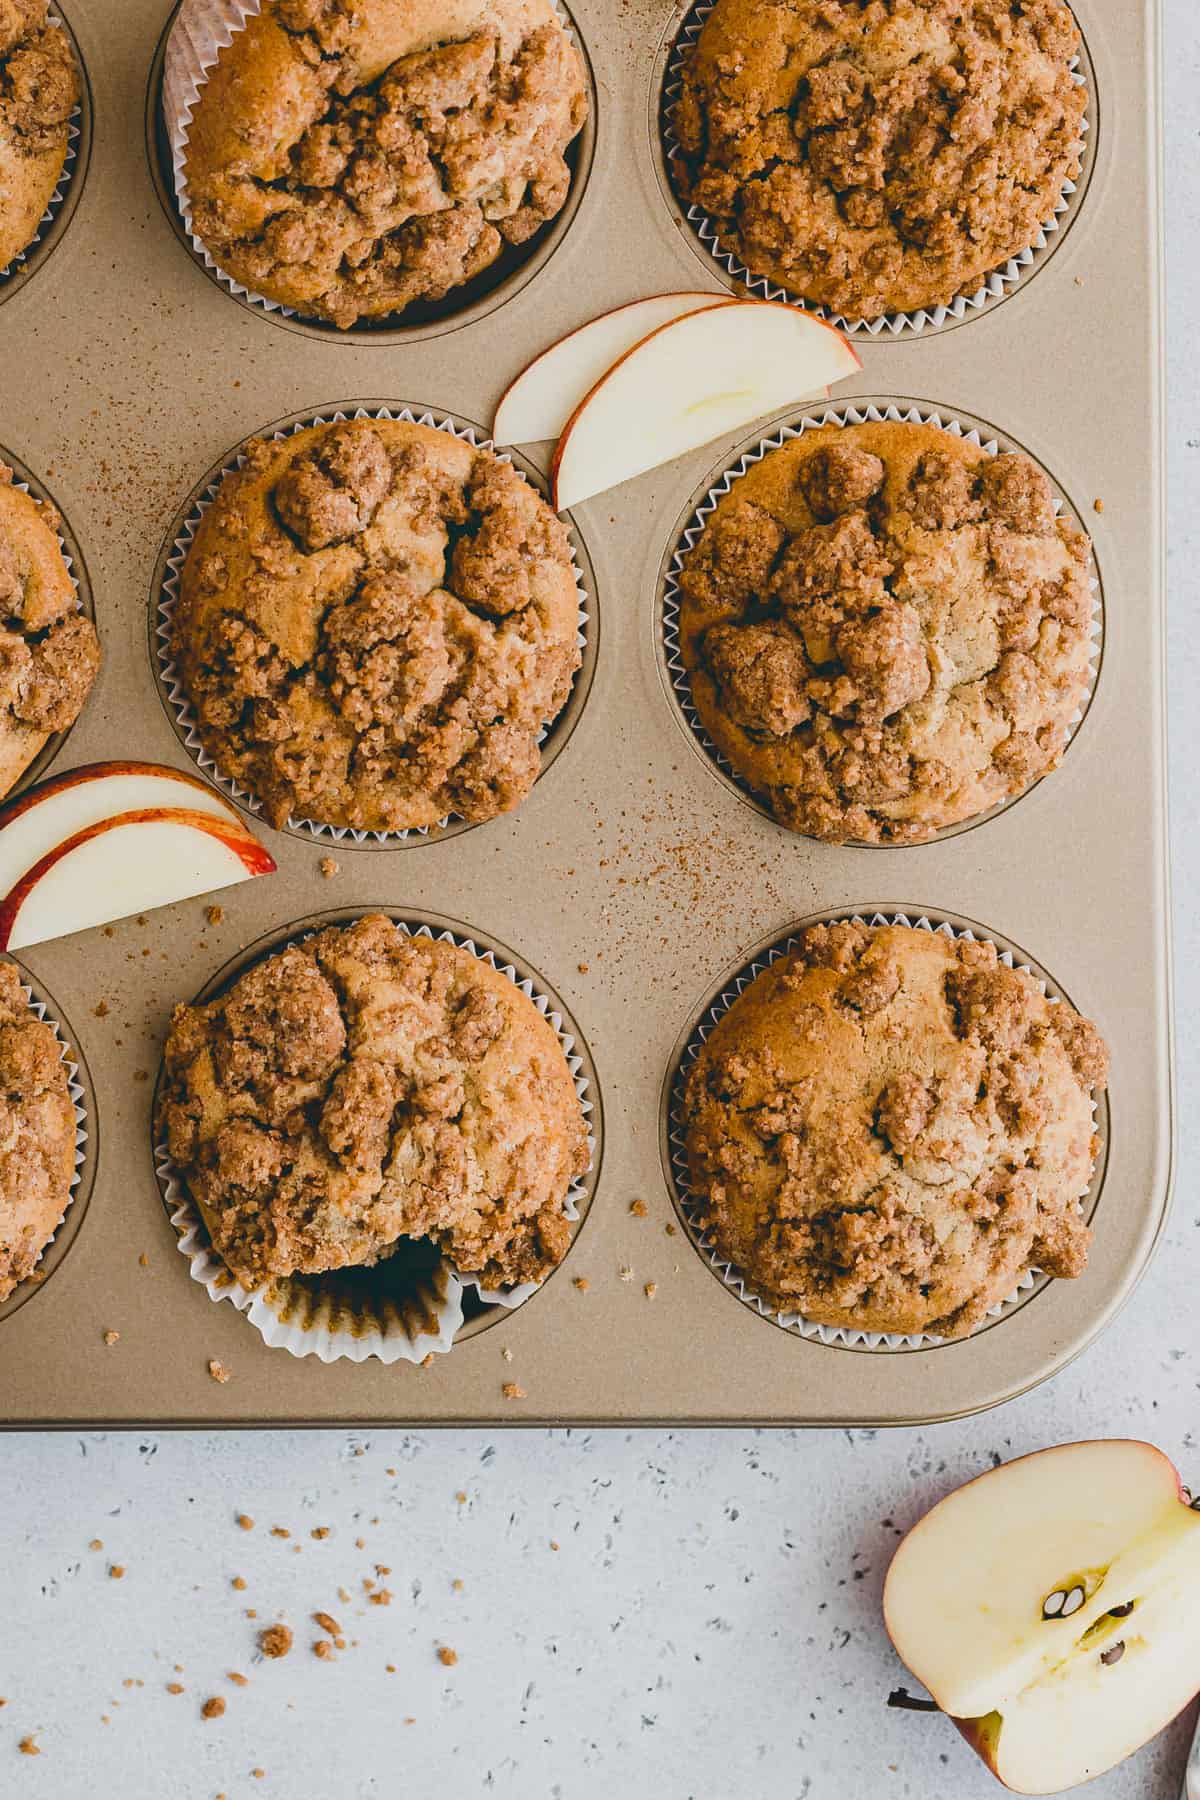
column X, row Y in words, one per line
column 635, row 881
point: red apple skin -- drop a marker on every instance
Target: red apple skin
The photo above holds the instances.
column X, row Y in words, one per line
column 255, row 857
column 569, row 427
column 91, row 772
column 983, row 1734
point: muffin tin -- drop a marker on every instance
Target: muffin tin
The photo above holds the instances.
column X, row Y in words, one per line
column 636, row 881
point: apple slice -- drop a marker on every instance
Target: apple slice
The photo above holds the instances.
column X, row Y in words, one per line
column 543, row 397
column 47, row 815
column 1052, row 1609
column 693, row 380
column 128, row 864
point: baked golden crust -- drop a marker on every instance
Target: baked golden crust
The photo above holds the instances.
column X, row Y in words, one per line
column 39, row 90
column 887, row 631
column 37, row 1132
column 375, row 621
column 351, row 157
column 889, row 1128
column 880, row 156
column 49, row 651
column 367, row 1086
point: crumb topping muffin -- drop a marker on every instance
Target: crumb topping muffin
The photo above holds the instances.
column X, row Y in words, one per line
column 375, row 622
column 887, row 631
column 889, row 1128
column 350, row 157
column 39, row 90
column 367, row 1086
column 878, row 156
column 37, row 1134
column 49, row 651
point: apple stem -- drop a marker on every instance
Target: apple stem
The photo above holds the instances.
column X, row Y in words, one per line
column 906, row 1702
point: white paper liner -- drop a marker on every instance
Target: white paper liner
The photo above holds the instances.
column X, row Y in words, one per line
column 995, row 286
column 202, row 29
column 64, row 181
column 845, row 414
column 399, row 1343
column 169, row 596
column 691, row 1204
column 40, row 1010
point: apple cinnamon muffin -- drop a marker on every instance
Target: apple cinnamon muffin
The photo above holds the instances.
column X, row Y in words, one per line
column 886, row 630
column 890, row 1127
column 366, row 1086
column 880, row 156
column 39, row 90
column 49, row 651
column 37, row 1134
column 375, row 622
column 348, row 158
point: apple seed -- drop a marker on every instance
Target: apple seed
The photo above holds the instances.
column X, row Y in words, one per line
column 1113, row 1654
column 1063, row 1602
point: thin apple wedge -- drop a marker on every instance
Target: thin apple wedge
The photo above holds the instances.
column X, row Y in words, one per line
column 693, row 380
column 1052, row 1609
column 544, row 395
column 128, row 864
column 47, row 815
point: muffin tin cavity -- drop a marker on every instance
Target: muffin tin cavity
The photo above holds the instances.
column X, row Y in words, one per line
column 716, row 1002
column 164, row 595
column 723, row 481
column 415, row 1303
column 83, row 1098
column 1000, row 284
column 466, row 305
column 73, row 555
column 69, row 189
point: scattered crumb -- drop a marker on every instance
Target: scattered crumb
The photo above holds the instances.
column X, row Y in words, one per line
column 213, row 1709
column 237, row 1680
column 319, row 1531
column 324, row 1649
column 116, row 1571
column 670, row 1229
column 28, row 1747
column 513, row 1391
column 457, row 1585
column 650, row 1289
column 638, row 1208
column 390, row 1667
column 506, row 1353
column 218, row 1371
column 239, row 1583
column 143, row 1261
column 275, row 1640
column 581, row 1284
column 214, row 914
column 427, row 1362
column 461, row 1498
column 280, row 1531
column 251, row 1612
column 245, row 1521
column 382, row 1598
column 175, row 1687
column 329, row 868
column 360, row 1543
column 1098, row 506
column 258, row 1774
column 583, row 968
column 100, row 1011
column 554, row 1544
column 141, row 1074
column 343, row 1596
column 111, row 1337
column 96, row 1544
column 446, row 1656
column 626, row 1272
column 328, row 1623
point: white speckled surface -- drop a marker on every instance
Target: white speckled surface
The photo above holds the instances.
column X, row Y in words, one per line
column 708, row 1625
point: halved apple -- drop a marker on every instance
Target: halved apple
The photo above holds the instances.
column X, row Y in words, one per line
column 128, row 864
column 47, row 815
column 693, row 380
column 1052, row 1609
column 546, row 393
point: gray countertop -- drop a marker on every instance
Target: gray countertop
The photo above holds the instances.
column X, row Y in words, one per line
column 688, row 1615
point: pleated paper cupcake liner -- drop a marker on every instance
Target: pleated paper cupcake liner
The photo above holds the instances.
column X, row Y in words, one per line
column 861, row 413
column 41, row 1010
column 995, row 286
column 202, row 30
column 691, row 1205
column 316, row 1315
column 168, row 599
column 62, row 186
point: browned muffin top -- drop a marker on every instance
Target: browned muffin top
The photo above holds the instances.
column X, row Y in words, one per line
column 375, row 622
column 49, row 651
column 39, row 90
column 37, row 1132
column 887, row 631
column 367, row 1086
column 889, row 1128
column 880, row 156
column 350, row 157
